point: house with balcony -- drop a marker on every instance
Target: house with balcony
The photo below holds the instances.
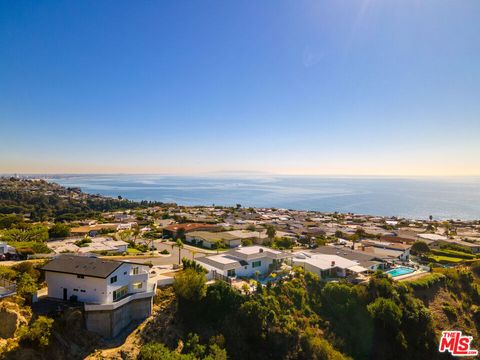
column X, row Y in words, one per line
column 243, row 262
column 114, row 293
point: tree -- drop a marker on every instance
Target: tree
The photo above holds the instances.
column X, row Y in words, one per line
column 386, row 313
column 26, row 286
column 271, row 232
column 158, row 351
column 180, row 246
column 135, row 233
column 190, row 285
column 420, row 247
column 59, row 230
column 192, row 264
column 38, row 334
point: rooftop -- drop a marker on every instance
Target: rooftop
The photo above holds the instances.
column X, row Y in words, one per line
column 83, row 265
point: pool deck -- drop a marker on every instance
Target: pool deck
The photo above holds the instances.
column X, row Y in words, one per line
column 410, row 275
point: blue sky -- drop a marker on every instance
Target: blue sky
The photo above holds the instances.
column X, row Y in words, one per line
column 297, row 87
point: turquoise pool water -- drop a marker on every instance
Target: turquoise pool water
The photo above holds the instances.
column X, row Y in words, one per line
column 400, row 271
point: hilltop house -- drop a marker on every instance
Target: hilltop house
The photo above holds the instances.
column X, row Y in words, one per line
column 386, row 249
column 243, row 262
column 114, row 293
column 328, row 266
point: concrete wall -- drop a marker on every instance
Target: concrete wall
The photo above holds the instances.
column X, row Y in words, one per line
column 109, row 323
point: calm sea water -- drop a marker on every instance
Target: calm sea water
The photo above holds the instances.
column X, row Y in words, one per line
column 444, row 198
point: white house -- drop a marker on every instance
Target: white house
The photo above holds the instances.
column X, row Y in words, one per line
column 327, row 266
column 243, row 261
column 113, row 292
column 210, row 239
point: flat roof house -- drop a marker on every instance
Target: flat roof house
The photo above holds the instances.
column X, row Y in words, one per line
column 114, row 293
column 210, row 239
column 328, row 266
column 367, row 260
column 243, row 261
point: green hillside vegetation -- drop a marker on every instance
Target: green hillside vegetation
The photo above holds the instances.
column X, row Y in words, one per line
column 305, row 318
column 41, row 201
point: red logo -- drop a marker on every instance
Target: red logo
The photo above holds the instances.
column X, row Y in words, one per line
column 456, row 343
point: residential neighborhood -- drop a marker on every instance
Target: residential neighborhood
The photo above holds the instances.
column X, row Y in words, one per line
column 122, row 270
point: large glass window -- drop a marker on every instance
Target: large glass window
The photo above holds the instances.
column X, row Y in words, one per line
column 256, row 264
column 135, row 270
column 120, row 293
column 137, row 285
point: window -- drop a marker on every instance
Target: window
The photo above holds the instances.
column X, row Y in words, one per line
column 80, row 276
column 75, row 289
column 135, row 270
column 137, row 285
column 124, row 273
column 256, row 264
column 231, row 273
column 120, row 293
column 113, row 279
column 82, row 290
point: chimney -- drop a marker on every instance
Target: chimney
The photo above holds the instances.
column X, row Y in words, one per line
column 333, row 263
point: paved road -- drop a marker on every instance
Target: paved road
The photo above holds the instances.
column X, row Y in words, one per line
column 188, row 252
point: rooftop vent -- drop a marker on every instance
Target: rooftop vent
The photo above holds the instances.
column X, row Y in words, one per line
column 333, row 263
column 261, row 250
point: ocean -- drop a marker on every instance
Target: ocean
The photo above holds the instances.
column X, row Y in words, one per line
column 415, row 198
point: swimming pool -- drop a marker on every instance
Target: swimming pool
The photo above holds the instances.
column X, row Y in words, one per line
column 400, row 271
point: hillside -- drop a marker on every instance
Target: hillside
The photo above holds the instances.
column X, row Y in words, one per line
column 40, row 200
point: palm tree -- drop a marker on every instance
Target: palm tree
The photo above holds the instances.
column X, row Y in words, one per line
column 179, row 244
column 193, row 254
column 136, row 232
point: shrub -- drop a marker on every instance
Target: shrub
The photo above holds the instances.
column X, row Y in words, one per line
column 26, row 286
column 165, row 252
column 38, row 333
column 450, row 311
column 83, row 242
column 26, row 267
column 427, row 281
column 190, row 285
column 156, row 351
column 7, row 273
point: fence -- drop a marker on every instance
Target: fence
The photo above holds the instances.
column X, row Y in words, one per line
column 221, row 277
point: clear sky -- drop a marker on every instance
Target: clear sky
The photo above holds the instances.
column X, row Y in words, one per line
column 379, row 87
